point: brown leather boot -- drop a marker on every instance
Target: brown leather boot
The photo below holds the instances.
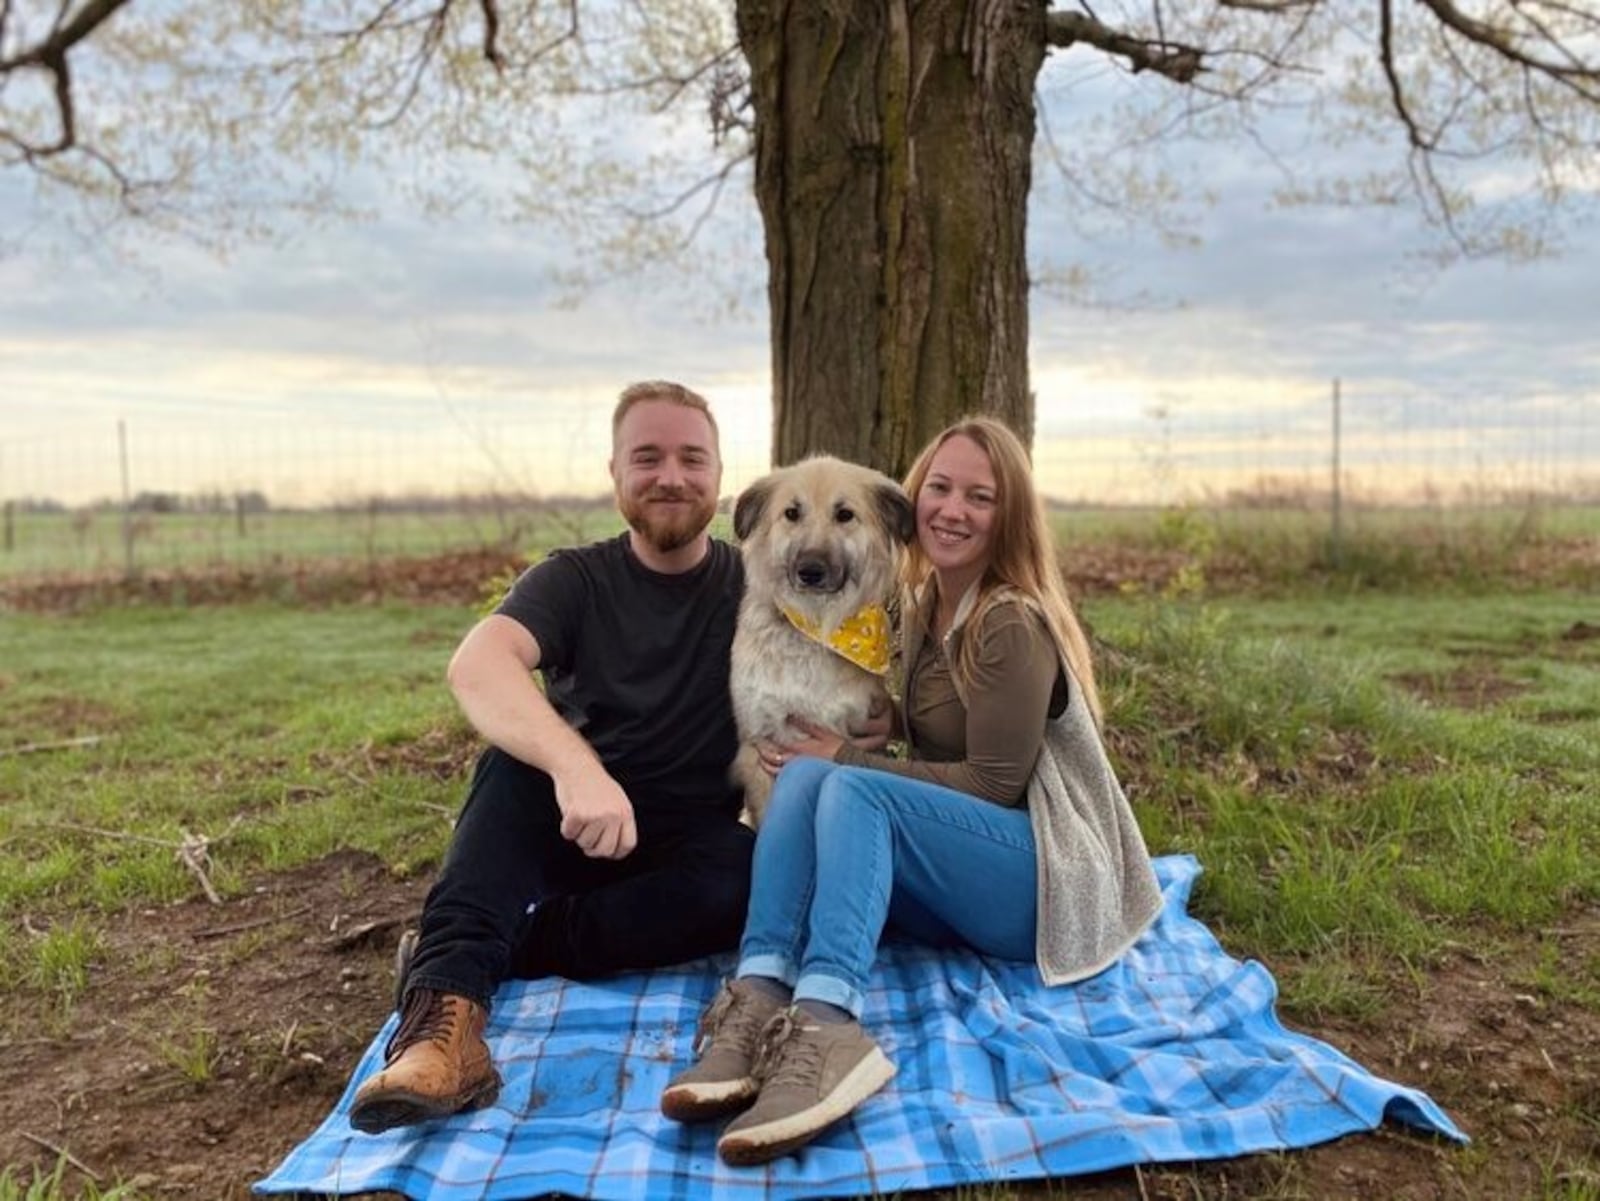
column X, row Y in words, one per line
column 436, row 1064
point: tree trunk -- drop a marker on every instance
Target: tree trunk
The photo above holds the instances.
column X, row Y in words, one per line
column 894, row 141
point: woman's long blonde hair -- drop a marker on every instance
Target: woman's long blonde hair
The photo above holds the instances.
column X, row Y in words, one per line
column 1022, row 554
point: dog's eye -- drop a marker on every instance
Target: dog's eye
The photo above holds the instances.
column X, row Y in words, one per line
column 843, row 514
column 792, row 513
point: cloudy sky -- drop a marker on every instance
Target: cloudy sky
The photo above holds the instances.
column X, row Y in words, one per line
column 406, row 350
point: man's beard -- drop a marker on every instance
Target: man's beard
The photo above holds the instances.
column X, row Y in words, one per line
column 667, row 529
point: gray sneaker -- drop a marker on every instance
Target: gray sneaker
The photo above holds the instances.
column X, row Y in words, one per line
column 812, row 1074
column 724, row 1078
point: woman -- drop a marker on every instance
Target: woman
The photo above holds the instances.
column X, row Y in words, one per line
column 1005, row 831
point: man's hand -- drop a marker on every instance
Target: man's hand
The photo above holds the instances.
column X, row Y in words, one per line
column 596, row 814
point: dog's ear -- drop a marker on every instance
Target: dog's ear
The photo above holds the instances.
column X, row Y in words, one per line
column 748, row 508
column 898, row 513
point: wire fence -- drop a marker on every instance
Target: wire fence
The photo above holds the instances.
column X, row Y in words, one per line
column 135, row 494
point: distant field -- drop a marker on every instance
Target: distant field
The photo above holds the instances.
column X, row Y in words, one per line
column 48, row 544
column 1295, row 524
column 99, row 543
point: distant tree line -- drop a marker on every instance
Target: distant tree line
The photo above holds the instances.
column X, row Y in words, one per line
column 469, row 502
column 254, row 501
column 212, row 501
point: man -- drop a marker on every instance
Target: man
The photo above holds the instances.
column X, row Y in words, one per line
column 604, row 801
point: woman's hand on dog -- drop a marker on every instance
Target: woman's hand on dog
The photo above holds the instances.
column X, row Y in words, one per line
column 823, row 743
column 873, row 734
column 596, row 815
column 773, row 755
column 817, row 741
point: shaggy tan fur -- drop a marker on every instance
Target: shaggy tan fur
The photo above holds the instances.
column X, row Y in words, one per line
column 823, row 538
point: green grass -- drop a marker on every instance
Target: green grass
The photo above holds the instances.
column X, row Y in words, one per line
column 1563, row 972
column 1301, row 526
column 62, row 958
column 1293, row 550
column 60, row 1183
column 1344, row 824
column 1353, row 825
column 1561, row 1186
column 192, row 1053
column 1349, row 830
column 280, row 734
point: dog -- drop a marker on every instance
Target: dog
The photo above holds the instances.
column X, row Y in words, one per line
column 821, row 542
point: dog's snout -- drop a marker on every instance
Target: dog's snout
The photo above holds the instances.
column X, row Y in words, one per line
column 815, row 572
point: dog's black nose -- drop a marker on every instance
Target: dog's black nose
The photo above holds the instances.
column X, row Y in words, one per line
column 813, row 573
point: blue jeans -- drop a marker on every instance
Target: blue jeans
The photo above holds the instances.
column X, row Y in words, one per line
column 843, row 851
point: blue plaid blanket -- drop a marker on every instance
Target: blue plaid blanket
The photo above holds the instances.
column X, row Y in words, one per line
column 1174, row 1053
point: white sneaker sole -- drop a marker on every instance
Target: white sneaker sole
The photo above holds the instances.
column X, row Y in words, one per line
column 758, row 1144
column 699, row 1102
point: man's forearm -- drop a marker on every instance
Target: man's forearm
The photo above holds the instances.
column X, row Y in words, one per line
column 509, row 710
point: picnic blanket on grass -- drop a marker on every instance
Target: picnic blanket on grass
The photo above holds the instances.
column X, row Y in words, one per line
column 1174, row 1053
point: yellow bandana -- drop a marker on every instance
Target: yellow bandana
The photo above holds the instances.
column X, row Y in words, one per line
column 862, row 639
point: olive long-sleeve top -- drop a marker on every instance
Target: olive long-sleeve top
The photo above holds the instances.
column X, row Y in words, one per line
column 1097, row 889
column 988, row 746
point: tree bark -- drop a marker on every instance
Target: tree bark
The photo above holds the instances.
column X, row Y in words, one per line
column 894, row 142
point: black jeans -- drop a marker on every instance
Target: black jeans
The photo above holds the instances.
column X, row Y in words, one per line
column 681, row 894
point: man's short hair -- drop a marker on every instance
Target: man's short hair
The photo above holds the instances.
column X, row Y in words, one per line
column 661, row 389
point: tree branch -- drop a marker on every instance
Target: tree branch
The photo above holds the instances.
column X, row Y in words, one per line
column 1268, row 6
column 715, row 182
column 50, row 56
column 427, row 49
column 1505, row 43
column 491, row 34
column 1178, row 62
column 64, row 35
column 1391, row 74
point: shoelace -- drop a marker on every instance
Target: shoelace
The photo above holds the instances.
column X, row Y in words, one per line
column 727, row 1020
column 427, row 1019
column 785, row 1055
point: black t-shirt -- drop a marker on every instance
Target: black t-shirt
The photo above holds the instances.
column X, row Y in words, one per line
column 637, row 662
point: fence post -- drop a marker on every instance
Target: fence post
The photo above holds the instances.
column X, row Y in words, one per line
column 127, row 501
column 1336, row 540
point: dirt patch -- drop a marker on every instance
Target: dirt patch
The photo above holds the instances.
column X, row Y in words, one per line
column 1579, row 644
column 467, row 576
column 1517, row 1069
column 212, row 1039
column 462, row 577
column 1474, row 685
column 53, row 721
column 443, row 752
column 457, row 577
column 1557, row 717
